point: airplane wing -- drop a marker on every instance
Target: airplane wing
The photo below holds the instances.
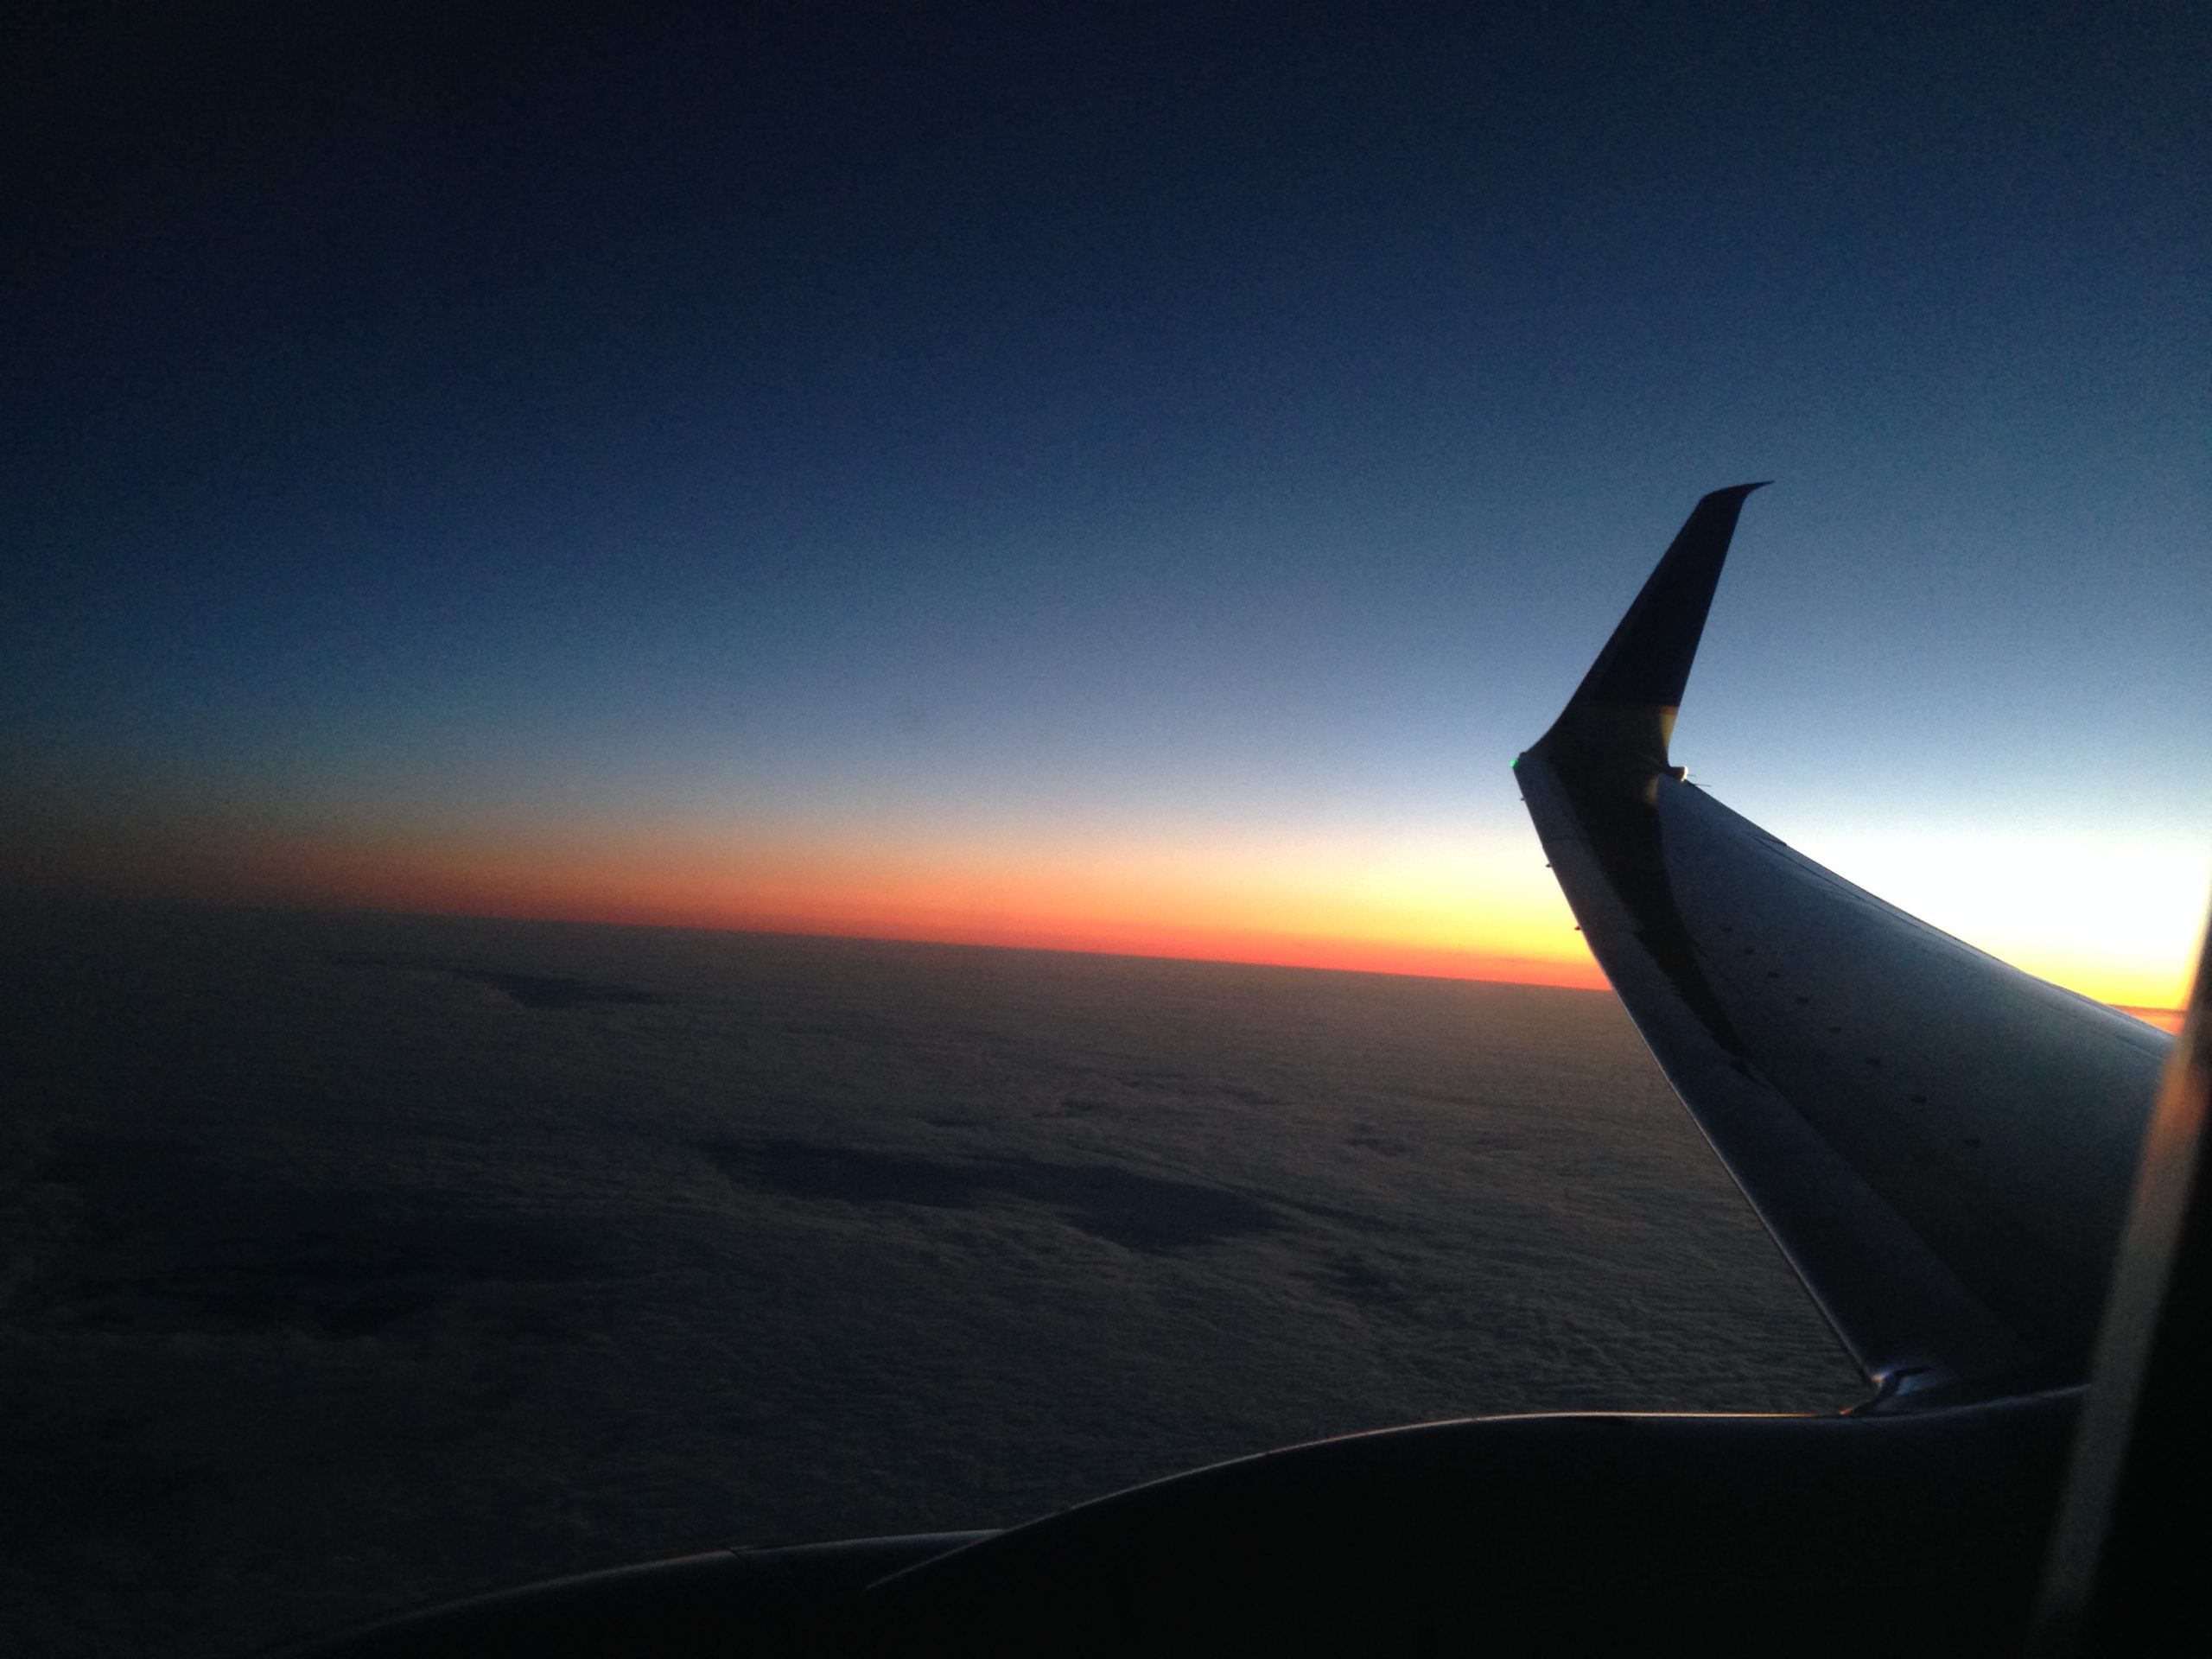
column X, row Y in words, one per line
column 1943, row 1145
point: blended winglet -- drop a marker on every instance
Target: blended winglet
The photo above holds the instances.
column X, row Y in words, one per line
column 1613, row 735
column 1648, row 659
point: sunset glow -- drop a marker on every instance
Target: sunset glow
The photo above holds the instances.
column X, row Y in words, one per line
column 762, row 778
column 1423, row 903
column 872, row 544
column 1404, row 909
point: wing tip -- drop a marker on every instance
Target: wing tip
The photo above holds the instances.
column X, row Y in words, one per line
column 1647, row 660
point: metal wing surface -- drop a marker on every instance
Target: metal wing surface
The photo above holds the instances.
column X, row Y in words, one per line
column 1943, row 1145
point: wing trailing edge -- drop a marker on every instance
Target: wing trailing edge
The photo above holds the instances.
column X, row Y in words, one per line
column 1941, row 1144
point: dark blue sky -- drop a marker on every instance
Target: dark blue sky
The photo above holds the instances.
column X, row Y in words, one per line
column 1104, row 429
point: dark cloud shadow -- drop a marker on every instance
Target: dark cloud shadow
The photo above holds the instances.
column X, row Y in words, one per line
column 189, row 1247
column 1361, row 1280
column 1138, row 1211
column 556, row 990
column 530, row 990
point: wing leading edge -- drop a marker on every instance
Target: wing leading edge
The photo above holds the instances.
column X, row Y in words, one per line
column 1943, row 1145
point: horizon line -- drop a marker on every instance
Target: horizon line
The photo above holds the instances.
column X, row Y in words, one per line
column 1405, row 970
column 2168, row 1020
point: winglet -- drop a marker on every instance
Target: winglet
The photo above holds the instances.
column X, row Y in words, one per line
column 1648, row 659
column 1614, row 733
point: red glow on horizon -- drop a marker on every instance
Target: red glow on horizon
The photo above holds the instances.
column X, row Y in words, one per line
column 1392, row 911
column 2166, row 1019
column 1179, row 943
column 1187, row 912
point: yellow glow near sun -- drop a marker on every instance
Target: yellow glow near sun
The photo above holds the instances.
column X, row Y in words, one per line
column 2115, row 916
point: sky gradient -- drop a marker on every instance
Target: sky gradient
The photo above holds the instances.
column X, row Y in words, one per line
column 1103, row 480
